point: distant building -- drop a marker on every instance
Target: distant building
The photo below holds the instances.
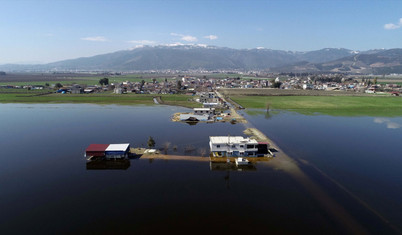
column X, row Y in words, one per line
column 210, row 105
column 89, row 90
column 118, row 90
column 77, row 90
column 203, row 111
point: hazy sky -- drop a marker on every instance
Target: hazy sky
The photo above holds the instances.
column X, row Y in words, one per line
column 46, row 31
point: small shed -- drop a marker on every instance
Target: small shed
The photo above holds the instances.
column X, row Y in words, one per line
column 96, row 150
column 117, row 150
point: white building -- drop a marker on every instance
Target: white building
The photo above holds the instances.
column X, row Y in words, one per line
column 203, row 111
column 114, row 151
column 232, row 146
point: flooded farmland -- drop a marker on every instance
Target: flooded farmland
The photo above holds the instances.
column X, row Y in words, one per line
column 47, row 187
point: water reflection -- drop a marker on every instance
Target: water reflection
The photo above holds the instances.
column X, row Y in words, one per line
column 388, row 123
column 103, row 164
column 257, row 112
column 230, row 166
column 192, row 123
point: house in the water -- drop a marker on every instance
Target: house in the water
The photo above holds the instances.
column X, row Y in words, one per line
column 199, row 114
column 96, row 150
column 235, row 146
column 108, row 151
column 117, row 151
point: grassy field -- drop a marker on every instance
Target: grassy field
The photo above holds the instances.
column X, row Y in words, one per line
column 101, row 98
column 83, row 80
column 330, row 105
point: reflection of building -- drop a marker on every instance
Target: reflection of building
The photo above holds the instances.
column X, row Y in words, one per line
column 232, row 146
column 103, row 164
column 229, row 166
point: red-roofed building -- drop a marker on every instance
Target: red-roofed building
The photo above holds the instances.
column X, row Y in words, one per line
column 96, row 150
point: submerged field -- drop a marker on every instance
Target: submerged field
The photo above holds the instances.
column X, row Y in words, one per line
column 331, row 105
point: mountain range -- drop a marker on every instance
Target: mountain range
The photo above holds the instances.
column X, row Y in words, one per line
column 212, row 58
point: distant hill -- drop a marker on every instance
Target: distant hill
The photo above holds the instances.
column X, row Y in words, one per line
column 193, row 57
column 373, row 61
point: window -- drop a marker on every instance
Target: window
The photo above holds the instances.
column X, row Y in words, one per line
column 233, row 146
column 218, row 146
column 250, row 146
column 241, row 146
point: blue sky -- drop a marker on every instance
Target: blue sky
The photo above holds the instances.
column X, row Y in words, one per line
column 45, row 31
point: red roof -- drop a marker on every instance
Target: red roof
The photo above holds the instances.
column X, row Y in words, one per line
column 263, row 143
column 97, row 147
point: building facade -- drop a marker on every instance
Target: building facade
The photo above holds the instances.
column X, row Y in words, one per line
column 233, row 146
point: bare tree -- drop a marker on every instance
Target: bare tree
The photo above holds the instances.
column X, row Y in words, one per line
column 203, row 152
column 166, row 146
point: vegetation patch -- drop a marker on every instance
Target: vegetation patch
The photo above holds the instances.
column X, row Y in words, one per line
column 330, row 105
column 101, row 98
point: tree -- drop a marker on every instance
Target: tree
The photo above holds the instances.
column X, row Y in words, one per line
column 375, row 80
column 277, row 84
column 104, row 81
column 154, row 80
column 179, row 84
column 58, row 85
column 151, row 142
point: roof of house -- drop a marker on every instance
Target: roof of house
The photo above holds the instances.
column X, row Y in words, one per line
column 118, row 147
column 202, row 109
column 184, row 116
column 232, row 139
column 97, row 147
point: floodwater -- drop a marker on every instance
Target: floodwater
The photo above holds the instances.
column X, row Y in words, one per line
column 357, row 160
column 47, row 187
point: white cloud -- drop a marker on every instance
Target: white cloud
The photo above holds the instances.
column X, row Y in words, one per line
column 187, row 38
column 95, row 39
column 388, row 123
column 143, row 42
column 211, row 37
column 49, row 35
column 393, row 26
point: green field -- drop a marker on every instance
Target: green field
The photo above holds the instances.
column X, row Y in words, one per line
column 330, row 105
column 88, row 80
column 100, row 98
